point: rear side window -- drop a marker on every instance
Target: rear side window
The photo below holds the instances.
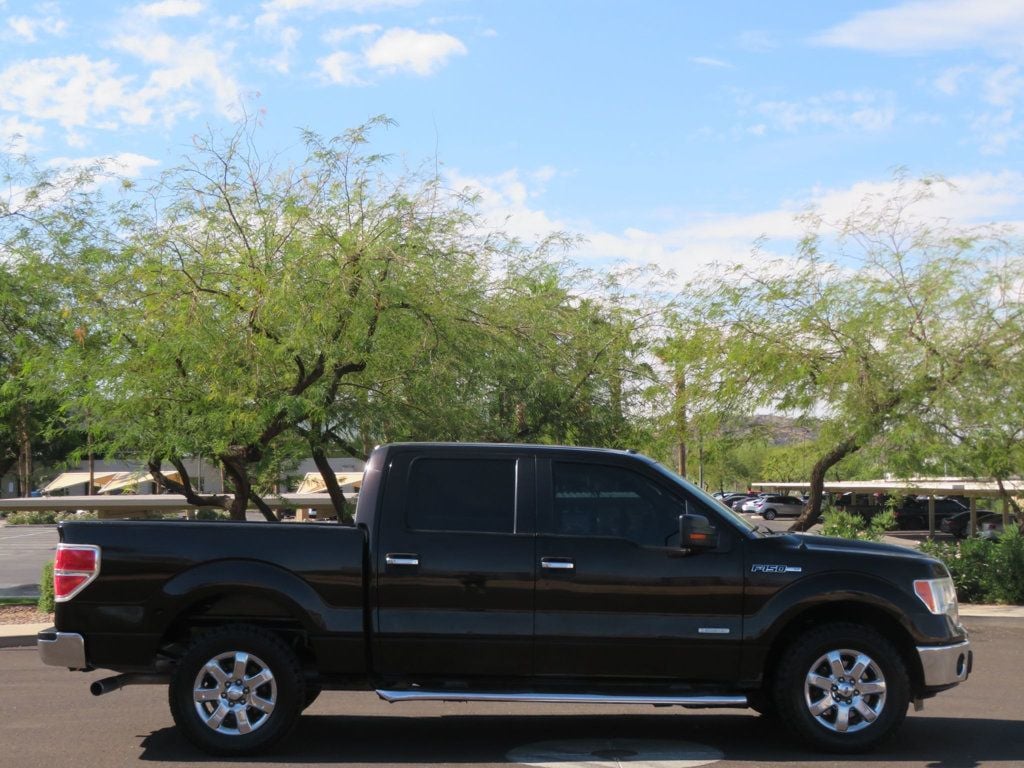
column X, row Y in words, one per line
column 462, row 495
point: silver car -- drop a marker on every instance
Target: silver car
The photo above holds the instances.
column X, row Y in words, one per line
column 770, row 507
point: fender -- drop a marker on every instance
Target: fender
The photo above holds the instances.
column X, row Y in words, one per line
column 250, row 577
column 819, row 589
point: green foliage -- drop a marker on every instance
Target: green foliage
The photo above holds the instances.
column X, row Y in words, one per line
column 212, row 514
column 984, row 571
column 46, row 517
column 46, row 589
column 847, row 525
column 897, row 332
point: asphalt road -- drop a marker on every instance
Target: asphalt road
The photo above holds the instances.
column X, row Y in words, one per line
column 47, row 718
column 24, row 549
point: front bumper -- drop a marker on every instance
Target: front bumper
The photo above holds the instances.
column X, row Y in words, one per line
column 61, row 649
column 946, row 665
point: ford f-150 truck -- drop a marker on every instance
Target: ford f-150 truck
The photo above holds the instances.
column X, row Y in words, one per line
column 508, row 573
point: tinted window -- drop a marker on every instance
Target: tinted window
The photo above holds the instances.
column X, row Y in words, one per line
column 462, row 495
column 595, row 500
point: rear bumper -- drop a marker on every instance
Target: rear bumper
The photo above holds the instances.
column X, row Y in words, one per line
column 946, row 665
column 61, row 649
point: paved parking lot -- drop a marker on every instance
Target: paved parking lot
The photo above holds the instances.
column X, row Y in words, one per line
column 24, row 549
column 47, row 718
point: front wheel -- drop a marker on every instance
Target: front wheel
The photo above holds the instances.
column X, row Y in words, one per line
column 842, row 688
column 768, row 514
column 237, row 690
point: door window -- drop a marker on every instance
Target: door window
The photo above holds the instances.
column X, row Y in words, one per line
column 455, row 494
column 599, row 500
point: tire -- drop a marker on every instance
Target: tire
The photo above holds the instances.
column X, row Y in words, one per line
column 820, row 696
column 768, row 514
column 214, row 707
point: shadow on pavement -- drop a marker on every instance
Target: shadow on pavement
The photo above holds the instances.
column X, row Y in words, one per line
column 936, row 742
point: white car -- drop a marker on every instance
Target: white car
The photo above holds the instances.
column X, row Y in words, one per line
column 770, row 507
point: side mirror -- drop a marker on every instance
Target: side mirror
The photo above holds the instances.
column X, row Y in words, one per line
column 695, row 532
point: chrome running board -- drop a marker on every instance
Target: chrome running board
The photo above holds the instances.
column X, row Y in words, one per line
column 562, row 698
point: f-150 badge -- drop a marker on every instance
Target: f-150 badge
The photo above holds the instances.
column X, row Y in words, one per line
column 762, row 568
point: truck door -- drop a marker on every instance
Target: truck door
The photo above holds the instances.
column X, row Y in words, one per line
column 454, row 564
column 616, row 596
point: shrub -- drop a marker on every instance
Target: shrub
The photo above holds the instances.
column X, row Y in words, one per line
column 1007, row 583
column 46, row 517
column 846, row 525
column 207, row 513
column 46, row 589
column 984, row 571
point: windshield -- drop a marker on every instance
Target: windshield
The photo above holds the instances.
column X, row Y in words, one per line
column 738, row 520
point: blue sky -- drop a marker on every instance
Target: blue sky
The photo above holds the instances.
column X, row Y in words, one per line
column 673, row 132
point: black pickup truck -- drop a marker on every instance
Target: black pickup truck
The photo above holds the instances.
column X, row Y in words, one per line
column 508, row 573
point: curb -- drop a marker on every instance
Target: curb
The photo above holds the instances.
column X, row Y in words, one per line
column 21, row 635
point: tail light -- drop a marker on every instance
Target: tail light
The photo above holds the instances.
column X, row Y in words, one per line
column 75, row 567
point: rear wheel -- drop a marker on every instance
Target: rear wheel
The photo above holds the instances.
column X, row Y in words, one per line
column 237, row 690
column 842, row 688
column 768, row 514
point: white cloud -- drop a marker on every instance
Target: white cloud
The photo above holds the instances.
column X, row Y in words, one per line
column 125, row 164
column 862, row 111
column 701, row 240
column 72, row 90
column 707, row 61
column 325, row 6
column 920, row 27
column 995, row 131
column 1002, row 86
column 17, row 135
column 406, row 50
column 341, row 68
column 167, row 9
column 949, row 79
column 29, row 28
column 181, row 67
column 341, row 34
column 287, row 39
column 274, row 11
column 394, row 51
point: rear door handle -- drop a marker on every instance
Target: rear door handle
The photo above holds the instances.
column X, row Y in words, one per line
column 401, row 558
column 558, row 563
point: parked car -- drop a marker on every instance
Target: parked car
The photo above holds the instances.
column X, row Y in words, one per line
column 735, row 500
column 751, row 504
column 912, row 514
column 770, row 507
column 959, row 525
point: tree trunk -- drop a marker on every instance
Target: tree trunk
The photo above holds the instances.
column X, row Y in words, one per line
column 331, row 482
column 24, row 453
column 679, row 408
column 241, row 484
column 813, row 508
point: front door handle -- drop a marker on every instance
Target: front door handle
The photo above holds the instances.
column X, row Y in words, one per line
column 558, row 563
column 401, row 558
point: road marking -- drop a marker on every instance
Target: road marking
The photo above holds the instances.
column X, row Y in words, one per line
column 605, row 753
column 23, row 535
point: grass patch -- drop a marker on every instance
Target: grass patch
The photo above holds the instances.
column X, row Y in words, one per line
column 18, row 600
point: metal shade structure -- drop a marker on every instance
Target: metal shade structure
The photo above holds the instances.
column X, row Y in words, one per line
column 313, row 482
column 71, row 479
column 136, row 505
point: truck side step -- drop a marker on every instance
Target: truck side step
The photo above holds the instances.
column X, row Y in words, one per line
column 562, row 698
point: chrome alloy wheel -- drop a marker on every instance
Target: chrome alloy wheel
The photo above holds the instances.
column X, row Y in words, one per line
column 234, row 693
column 845, row 691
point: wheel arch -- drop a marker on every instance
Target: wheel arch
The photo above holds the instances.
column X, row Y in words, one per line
column 848, row 611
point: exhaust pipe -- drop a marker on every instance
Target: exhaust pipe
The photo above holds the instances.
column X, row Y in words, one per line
column 109, row 684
